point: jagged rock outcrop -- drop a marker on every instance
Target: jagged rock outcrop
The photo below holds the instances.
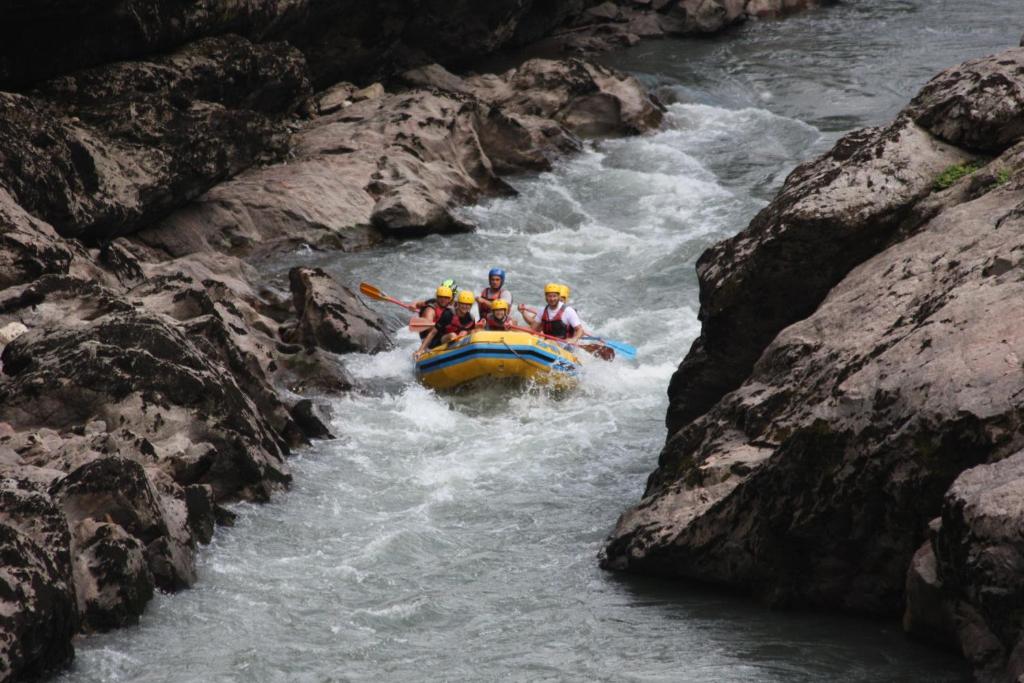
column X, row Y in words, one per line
column 333, row 317
column 815, row 474
column 618, row 23
column 342, row 39
column 402, row 162
column 98, row 153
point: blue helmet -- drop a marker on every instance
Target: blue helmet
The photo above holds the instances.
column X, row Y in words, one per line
column 497, row 272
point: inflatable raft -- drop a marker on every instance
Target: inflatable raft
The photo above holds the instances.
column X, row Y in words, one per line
column 517, row 355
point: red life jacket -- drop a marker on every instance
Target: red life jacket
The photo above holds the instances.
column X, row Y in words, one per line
column 438, row 310
column 485, row 294
column 458, row 324
column 553, row 325
column 492, row 324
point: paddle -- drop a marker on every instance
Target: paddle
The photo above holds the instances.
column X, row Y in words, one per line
column 517, row 328
column 622, row 348
column 600, row 350
column 375, row 293
column 420, row 324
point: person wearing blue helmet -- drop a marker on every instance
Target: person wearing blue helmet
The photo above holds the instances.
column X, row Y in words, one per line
column 494, row 291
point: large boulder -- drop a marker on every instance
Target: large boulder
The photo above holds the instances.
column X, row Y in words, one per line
column 860, row 353
column 814, row 482
column 978, row 105
column 39, row 615
column 140, row 371
column 399, row 163
column 978, row 555
column 333, row 317
column 99, row 152
column 831, row 214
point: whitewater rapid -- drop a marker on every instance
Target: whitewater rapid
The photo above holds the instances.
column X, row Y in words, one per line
column 454, row 537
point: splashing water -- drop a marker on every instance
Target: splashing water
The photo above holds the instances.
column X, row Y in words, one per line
column 453, row 537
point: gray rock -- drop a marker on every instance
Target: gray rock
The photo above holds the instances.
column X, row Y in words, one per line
column 113, row 582
column 978, row 105
column 333, row 317
column 38, row 615
column 831, row 214
column 813, row 475
column 102, row 151
column 311, row 417
column 980, row 555
column 814, row 481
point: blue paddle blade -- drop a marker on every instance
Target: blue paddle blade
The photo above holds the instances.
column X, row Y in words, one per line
column 621, row 348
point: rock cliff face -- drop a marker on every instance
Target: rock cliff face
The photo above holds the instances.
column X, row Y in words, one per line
column 147, row 375
column 846, row 431
column 341, row 39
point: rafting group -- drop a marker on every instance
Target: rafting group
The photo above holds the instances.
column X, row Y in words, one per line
column 456, row 348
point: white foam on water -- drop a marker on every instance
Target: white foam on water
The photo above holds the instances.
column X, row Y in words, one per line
column 454, row 535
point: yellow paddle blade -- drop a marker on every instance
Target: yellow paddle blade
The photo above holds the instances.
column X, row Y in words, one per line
column 372, row 292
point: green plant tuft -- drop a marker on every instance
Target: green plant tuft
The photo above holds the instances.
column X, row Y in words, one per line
column 1003, row 175
column 954, row 173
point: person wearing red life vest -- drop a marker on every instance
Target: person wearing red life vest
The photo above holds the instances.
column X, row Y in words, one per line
column 433, row 309
column 451, row 326
column 498, row 319
column 494, row 291
column 557, row 319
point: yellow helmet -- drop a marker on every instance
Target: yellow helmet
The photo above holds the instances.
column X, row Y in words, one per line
column 443, row 291
column 499, row 305
column 564, row 291
column 553, row 287
column 466, row 297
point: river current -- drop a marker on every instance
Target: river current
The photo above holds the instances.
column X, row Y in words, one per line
column 455, row 537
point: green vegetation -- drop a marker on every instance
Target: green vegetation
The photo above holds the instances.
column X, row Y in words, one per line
column 1003, row 175
column 955, row 173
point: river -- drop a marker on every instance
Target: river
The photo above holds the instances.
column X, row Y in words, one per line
column 455, row 537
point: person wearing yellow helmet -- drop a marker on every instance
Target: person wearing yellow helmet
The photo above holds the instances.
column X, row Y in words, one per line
column 564, row 294
column 498, row 319
column 432, row 309
column 557, row 320
column 452, row 325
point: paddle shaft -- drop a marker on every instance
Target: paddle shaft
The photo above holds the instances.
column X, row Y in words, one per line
column 375, row 293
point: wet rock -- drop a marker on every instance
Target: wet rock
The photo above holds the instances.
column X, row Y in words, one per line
column 831, row 214
column 38, row 616
column 28, row 247
column 930, row 614
column 814, row 482
column 201, row 512
column 812, row 476
column 333, row 317
column 100, row 152
column 312, row 419
column 590, row 100
column 400, row 163
column 978, row 105
column 980, row 555
column 113, row 582
column 118, row 491
column 140, row 371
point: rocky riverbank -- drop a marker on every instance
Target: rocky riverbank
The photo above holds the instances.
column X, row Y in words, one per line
column 846, row 432
column 148, row 375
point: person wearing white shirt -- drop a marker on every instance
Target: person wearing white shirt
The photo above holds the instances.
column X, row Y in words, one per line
column 557, row 319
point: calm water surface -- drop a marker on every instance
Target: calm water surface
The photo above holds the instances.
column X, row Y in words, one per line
column 454, row 537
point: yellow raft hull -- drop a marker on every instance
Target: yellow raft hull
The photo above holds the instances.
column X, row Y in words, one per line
column 499, row 355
